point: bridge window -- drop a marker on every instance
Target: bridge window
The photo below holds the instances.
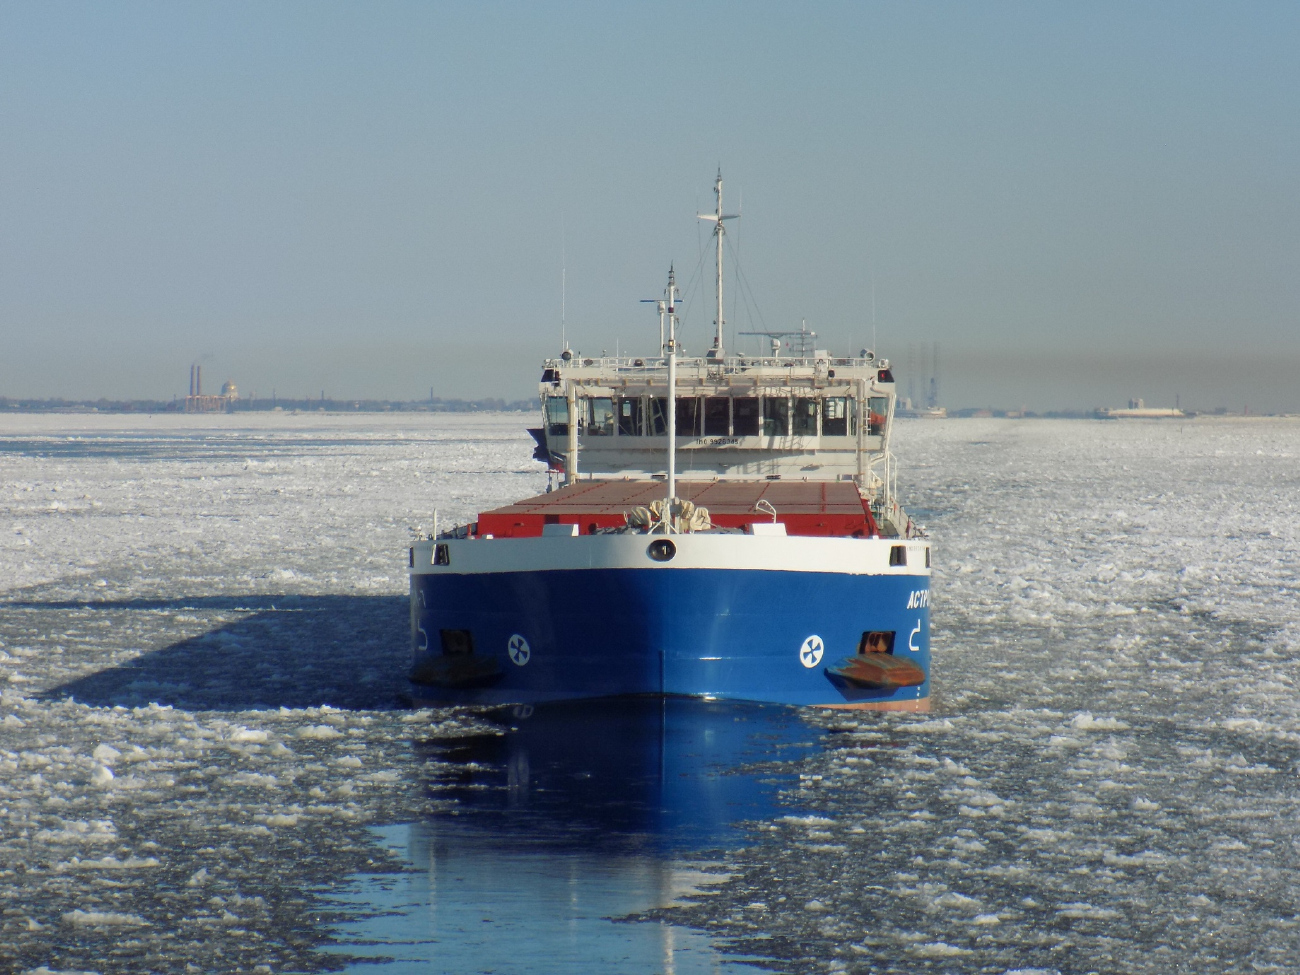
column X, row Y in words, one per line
column 878, row 410
column 557, row 416
column 776, row 416
column 745, row 416
column 688, row 417
column 717, row 416
column 629, row 417
column 658, row 425
column 805, row 417
column 600, row 416
column 835, row 417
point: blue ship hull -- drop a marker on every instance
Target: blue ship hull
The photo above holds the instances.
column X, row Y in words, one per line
column 540, row 634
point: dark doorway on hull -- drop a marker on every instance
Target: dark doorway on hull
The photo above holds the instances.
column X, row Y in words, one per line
column 877, row 641
column 457, row 642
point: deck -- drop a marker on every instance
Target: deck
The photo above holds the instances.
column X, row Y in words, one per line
column 831, row 508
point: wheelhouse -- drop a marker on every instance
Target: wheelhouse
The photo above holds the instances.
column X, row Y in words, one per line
column 812, row 418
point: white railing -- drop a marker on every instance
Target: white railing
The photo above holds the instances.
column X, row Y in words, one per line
column 731, row 364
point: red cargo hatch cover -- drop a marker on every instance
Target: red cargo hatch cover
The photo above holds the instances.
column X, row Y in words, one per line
column 806, row 507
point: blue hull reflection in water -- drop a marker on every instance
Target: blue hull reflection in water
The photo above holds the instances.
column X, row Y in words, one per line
column 577, row 814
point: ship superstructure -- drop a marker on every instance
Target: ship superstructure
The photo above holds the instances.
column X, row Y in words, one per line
column 738, row 418
column 723, row 526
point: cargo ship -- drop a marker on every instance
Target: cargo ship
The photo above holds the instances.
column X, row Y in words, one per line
column 722, row 526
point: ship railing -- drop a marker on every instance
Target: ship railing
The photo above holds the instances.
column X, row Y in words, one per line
column 731, row 364
column 458, row 531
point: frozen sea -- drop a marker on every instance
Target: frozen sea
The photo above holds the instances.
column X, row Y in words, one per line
column 204, row 764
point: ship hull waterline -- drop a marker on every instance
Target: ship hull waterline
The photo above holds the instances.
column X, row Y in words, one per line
column 727, row 617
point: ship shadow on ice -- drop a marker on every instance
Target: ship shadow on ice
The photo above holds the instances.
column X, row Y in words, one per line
column 258, row 652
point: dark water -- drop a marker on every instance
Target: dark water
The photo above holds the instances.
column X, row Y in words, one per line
column 567, row 822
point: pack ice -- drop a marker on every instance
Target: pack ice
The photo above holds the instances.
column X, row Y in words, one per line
column 202, row 636
column 203, row 631
column 1107, row 781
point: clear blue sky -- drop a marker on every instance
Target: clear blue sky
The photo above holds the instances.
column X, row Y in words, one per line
column 1080, row 202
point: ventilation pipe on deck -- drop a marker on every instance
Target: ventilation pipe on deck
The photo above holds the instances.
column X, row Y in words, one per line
column 861, row 416
column 571, row 461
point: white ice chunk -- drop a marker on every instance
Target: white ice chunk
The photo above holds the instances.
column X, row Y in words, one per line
column 939, row 949
column 956, row 901
column 90, row 919
column 105, row 754
column 1086, row 722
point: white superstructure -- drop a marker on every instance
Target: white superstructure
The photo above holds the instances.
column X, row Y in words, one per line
column 815, row 419
column 808, row 416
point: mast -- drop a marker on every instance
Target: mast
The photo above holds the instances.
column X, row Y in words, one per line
column 717, row 218
column 669, row 306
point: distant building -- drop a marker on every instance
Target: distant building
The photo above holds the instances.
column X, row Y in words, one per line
column 1138, row 410
column 196, row 402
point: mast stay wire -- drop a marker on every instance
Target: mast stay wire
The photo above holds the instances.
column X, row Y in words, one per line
column 751, row 306
column 751, row 302
column 687, row 295
column 696, row 281
column 735, row 248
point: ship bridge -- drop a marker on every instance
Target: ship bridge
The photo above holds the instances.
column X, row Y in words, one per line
column 817, row 418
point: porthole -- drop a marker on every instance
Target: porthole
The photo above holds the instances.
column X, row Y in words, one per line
column 661, row 549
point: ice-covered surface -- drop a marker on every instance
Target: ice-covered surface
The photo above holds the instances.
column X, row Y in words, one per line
column 243, row 503
column 1107, row 782
column 202, row 638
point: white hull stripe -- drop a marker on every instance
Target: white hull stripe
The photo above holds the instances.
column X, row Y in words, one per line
column 798, row 553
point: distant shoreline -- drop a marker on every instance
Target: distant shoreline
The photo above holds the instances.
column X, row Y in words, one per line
column 277, row 405
column 12, row 405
